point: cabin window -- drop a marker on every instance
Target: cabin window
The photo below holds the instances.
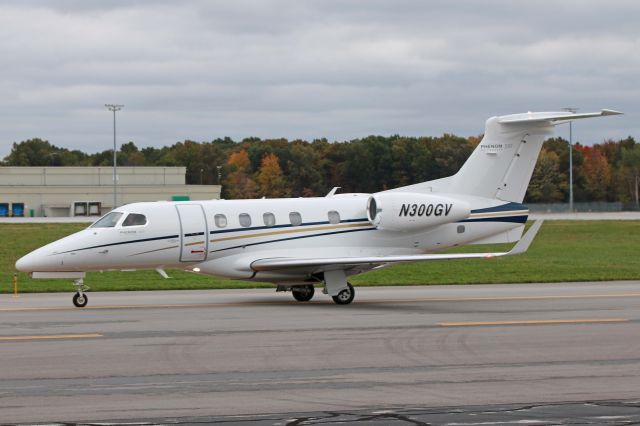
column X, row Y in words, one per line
column 295, row 218
column 108, row 221
column 269, row 219
column 334, row 217
column 461, row 229
column 135, row 219
column 220, row 220
column 245, row 220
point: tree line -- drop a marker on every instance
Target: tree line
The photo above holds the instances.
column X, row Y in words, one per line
column 253, row 167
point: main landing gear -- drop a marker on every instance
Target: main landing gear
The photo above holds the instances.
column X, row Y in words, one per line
column 335, row 285
column 80, row 299
column 345, row 296
column 303, row 293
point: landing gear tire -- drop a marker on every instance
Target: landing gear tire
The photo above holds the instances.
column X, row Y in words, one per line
column 80, row 300
column 303, row 293
column 345, row 296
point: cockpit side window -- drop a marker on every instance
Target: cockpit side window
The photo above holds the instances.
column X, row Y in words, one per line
column 107, row 221
column 135, row 219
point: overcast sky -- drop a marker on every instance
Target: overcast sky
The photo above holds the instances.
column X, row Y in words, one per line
column 309, row 69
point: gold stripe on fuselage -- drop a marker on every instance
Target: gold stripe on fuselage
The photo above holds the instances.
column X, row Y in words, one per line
column 291, row 231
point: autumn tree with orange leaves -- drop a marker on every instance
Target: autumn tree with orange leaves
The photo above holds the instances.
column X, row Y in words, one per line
column 271, row 182
column 597, row 174
column 239, row 181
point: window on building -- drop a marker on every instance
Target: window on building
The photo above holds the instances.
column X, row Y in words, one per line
column 220, row 220
column 295, row 218
column 245, row 220
column 269, row 219
column 135, row 219
column 108, row 221
column 334, row 217
column 80, row 209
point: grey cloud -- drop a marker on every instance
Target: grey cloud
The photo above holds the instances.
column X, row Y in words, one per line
column 335, row 69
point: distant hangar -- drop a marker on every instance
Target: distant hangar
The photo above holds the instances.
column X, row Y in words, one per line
column 88, row 191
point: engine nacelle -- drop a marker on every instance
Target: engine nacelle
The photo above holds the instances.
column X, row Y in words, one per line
column 408, row 211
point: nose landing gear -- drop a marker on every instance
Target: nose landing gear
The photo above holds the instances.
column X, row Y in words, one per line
column 80, row 299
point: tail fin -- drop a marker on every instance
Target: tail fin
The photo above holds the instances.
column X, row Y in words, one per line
column 502, row 164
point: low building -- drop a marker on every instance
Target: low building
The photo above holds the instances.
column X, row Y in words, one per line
column 85, row 191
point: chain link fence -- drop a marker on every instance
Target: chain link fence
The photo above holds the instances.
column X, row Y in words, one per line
column 593, row 207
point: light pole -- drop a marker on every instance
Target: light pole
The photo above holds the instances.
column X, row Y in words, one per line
column 114, row 108
column 573, row 111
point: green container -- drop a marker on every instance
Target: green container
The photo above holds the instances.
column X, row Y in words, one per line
column 180, row 198
column 32, row 213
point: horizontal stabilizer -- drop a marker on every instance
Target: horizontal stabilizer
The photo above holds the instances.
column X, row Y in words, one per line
column 280, row 263
column 551, row 117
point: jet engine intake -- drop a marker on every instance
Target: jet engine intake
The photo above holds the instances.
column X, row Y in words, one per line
column 406, row 211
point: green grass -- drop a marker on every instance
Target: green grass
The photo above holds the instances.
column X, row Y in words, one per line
column 562, row 251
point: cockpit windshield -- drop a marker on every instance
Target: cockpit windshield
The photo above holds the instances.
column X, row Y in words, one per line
column 135, row 219
column 107, row 221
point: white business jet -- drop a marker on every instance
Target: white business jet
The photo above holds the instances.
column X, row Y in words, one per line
column 297, row 243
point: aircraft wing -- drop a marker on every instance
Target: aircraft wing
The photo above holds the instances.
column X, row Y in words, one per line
column 280, row 263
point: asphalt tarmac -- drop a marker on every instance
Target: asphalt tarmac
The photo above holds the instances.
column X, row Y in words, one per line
column 532, row 353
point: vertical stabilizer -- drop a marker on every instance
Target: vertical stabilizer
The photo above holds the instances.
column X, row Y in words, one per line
column 502, row 164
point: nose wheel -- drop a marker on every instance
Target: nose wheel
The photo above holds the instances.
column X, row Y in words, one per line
column 80, row 299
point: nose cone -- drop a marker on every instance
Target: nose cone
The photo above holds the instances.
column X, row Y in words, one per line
column 40, row 260
column 51, row 257
column 22, row 264
column 28, row 263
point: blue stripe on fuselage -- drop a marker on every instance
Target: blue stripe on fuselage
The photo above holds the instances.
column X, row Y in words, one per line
column 511, row 219
column 502, row 208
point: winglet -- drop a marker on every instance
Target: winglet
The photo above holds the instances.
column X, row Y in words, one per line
column 527, row 239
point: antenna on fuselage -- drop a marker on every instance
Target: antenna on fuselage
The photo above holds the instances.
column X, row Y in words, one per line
column 333, row 191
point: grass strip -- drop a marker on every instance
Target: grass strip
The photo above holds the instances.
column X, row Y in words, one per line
column 563, row 251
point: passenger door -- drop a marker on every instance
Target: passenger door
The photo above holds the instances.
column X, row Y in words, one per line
column 193, row 232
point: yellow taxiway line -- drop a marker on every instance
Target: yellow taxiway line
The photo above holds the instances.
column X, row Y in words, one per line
column 534, row 322
column 50, row 337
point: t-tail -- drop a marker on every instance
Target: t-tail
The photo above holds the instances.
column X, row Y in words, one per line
column 502, row 164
